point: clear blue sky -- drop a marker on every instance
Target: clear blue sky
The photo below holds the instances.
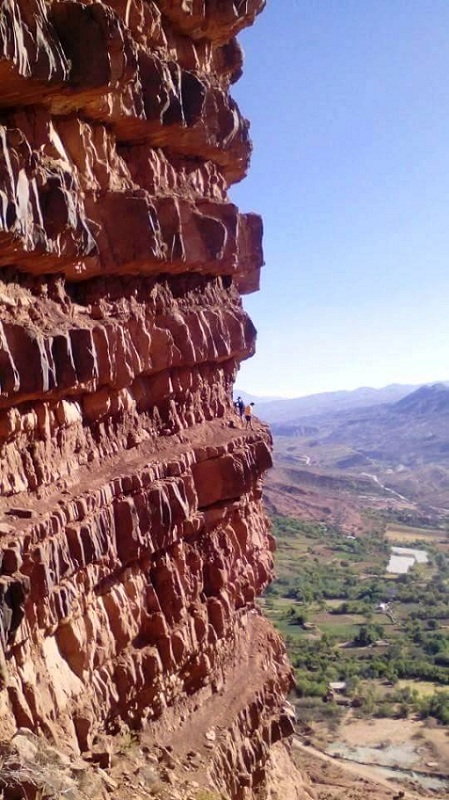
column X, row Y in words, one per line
column 349, row 109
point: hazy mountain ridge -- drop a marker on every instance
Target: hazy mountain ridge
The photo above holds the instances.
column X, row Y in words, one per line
column 426, row 400
column 413, row 428
column 281, row 409
column 402, row 444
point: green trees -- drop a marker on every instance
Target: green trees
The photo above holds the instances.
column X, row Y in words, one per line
column 326, row 576
column 437, row 706
column 296, row 616
column 368, row 634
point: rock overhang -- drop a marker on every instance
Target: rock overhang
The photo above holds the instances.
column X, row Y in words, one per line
column 133, row 536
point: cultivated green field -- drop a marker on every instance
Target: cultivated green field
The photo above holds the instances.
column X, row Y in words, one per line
column 345, row 620
column 404, row 534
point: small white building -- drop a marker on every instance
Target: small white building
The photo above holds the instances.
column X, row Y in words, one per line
column 337, row 686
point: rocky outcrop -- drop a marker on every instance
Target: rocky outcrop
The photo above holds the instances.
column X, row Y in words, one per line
column 133, row 537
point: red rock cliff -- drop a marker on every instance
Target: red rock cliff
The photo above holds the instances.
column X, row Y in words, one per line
column 133, row 537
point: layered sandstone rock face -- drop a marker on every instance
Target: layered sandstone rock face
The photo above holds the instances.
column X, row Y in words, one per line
column 133, row 538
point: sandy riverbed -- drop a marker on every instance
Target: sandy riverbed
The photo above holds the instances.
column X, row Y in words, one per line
column 408, row 750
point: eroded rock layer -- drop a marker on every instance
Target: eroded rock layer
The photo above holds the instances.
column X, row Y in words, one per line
column 133, row 538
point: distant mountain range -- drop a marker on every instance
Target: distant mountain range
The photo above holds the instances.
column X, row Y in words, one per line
column 426, row 400
column 403, row 444
column 414, row 429
column 291, row 410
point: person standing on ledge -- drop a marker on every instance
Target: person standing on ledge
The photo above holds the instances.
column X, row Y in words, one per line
column 249, row 415
column 240, row 407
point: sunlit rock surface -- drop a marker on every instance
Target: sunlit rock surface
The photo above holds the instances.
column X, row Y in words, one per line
column 133, row 537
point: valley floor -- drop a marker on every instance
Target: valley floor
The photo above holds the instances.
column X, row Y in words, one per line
column 399, row 754
column 346, row 619
column 332, row 779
